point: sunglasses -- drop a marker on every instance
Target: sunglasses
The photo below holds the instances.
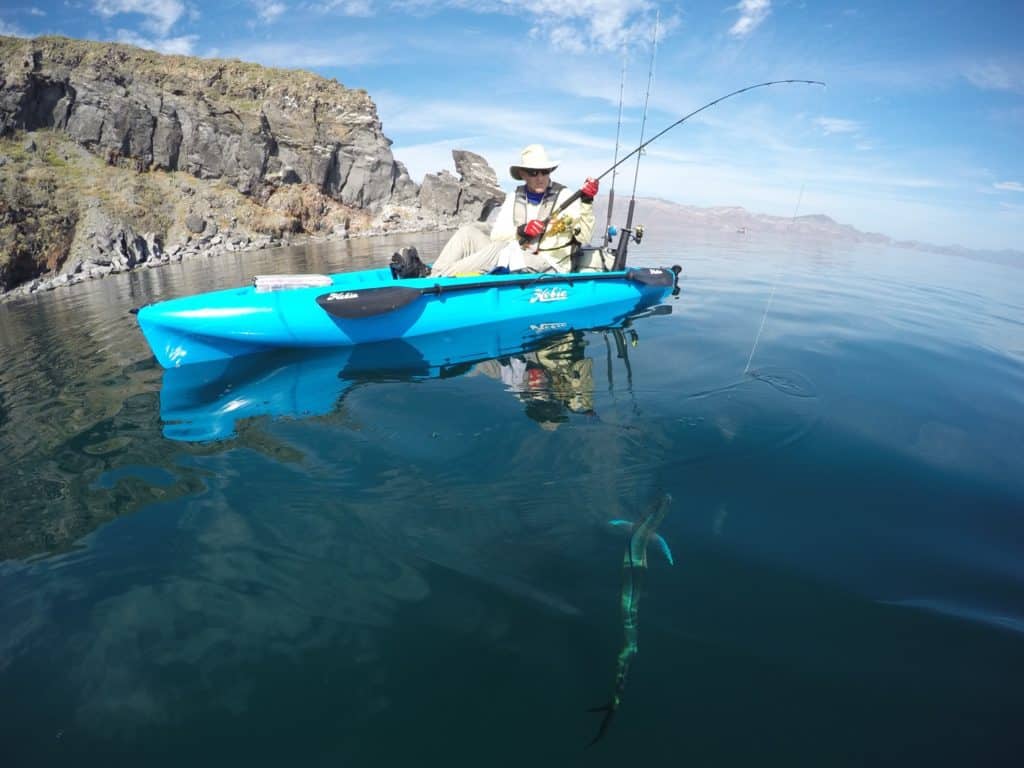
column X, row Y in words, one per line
column 532, row 172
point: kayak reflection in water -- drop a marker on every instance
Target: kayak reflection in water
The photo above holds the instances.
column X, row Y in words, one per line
column 634, row 563
column 552, row 382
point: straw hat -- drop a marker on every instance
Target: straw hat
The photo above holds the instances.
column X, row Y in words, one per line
column 534, row 158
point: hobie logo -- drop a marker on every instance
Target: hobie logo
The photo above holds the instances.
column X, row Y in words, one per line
column 549, row 294
column 342, row 296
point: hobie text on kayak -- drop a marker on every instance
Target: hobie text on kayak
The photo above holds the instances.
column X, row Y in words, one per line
column 549, row 294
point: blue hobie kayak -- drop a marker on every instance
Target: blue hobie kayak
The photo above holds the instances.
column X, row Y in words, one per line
column 352, row 308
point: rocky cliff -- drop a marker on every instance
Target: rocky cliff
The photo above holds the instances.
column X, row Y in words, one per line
column 211, row 148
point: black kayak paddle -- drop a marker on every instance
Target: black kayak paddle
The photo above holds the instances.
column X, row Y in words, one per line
column 370, row 302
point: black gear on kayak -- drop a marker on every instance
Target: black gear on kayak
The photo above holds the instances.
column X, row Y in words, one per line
column 406, row 263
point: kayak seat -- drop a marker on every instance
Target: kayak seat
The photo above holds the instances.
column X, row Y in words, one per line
column 591, row 258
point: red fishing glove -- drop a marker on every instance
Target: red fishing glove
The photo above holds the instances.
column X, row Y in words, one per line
column 589, row 190
column 532, row 228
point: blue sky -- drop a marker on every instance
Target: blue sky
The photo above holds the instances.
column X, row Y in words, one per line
column 918, row 134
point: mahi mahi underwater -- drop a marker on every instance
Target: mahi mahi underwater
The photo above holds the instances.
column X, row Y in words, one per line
column 634, row 563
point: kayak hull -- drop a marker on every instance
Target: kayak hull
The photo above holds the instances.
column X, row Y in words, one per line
column 370, row 306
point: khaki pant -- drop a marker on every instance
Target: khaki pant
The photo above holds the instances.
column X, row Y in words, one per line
column 469, row 250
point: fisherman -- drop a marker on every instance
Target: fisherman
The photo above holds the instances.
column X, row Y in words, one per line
column 519, row 239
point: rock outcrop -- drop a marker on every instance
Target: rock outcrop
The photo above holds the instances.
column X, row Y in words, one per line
column 113, row 156
column 466, row 196
column 252, row 127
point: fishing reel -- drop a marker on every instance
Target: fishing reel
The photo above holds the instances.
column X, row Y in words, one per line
column 626, row 236
column 636, row 234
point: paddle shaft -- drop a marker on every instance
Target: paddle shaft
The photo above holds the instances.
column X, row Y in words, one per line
column 368, row 302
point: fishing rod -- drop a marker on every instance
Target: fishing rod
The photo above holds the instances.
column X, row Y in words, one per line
column 618, row 133
column 627, row 232
column 576, row 195
column 710, row 104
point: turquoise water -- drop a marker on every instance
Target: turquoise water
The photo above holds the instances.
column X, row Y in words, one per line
column 421, row 570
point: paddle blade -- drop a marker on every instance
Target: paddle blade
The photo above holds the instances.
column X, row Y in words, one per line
column 367, row 302
column 649, row 276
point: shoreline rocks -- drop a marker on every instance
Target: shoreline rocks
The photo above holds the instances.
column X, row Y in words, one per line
column 152, row 257
column 114, row 157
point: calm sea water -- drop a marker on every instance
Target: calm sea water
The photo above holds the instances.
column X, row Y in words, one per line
column 421, row 570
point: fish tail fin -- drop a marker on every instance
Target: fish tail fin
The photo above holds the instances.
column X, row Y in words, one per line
column 606, row 721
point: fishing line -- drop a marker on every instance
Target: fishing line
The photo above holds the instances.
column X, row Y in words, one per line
column 763, row 318
column 647, row 99
column 799, row 198
column 775, row 285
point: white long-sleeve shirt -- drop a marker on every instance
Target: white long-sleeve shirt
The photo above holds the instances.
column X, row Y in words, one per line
column 556, row 248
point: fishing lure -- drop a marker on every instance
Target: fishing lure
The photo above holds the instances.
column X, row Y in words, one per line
column 564, row 223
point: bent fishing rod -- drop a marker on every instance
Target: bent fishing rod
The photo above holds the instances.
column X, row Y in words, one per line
column 575, row 196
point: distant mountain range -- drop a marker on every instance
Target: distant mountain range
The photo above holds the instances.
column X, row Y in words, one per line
column 733, row 220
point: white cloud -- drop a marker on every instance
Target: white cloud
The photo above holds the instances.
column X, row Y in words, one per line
column 566, row 38
column 996, row 75
column 752, row 13
column 1009, row 186
column 578, row 26
column 269, row 10
column 360, row 8
column 10, row 30
column 36, row 12
column 160, row 15
column 486, row 120
column 494, row 130
column 182, row 46
column 833, row 125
